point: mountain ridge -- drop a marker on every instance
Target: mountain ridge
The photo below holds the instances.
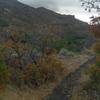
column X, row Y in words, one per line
column 41, row 20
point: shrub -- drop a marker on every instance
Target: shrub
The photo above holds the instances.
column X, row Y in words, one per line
column 3, row 23
column 97, row 48
column 95, row 74
column 75, row 43
column 27, row 66
column 4, row 75
column 46, row 69
column 94, row 82
column 98, row 60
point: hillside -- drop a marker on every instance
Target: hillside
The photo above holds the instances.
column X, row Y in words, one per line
column 38, row 48
column 41, row 20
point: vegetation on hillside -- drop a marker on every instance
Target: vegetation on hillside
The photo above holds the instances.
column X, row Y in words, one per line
column 32, row 44
column 31, row 59
column 93, row 84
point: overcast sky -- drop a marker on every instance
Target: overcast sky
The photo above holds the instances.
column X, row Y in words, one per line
column 72, row 7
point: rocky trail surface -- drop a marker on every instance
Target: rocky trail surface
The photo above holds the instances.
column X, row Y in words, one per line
column 65, row 89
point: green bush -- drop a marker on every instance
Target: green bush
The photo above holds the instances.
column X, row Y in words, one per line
column 3, row 23
column 3, row 72
column 94, row 79
column 95, row 74
column 74, row 42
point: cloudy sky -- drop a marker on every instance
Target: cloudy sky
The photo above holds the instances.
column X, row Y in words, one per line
column 72, row 7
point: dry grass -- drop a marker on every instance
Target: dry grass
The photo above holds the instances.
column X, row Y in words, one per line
column 40, row 93
column 78, row 92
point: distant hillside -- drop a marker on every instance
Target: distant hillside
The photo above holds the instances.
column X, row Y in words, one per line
column 41, row 20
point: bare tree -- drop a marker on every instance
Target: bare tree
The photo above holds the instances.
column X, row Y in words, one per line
column 91, row 4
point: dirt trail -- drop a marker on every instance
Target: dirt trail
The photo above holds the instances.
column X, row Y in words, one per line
column 64, row 90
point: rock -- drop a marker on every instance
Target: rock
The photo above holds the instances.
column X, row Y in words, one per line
column 64, row 53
